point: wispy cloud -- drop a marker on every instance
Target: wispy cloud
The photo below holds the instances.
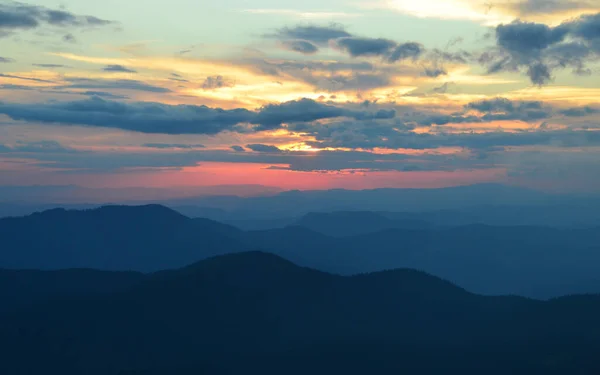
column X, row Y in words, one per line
column 491, row 12
column 315, row 15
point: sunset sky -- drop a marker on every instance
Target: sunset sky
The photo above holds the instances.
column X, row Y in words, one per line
column 300, row 94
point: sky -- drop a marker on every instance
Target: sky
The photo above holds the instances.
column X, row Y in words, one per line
column 321, row 94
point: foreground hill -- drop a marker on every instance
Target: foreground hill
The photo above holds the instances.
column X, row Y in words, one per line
column 20, row 289
column 530, row 261
column 257, row 313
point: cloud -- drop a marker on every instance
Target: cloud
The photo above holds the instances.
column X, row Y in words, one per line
column 118, row 68
column 300, row 14
column 362, row 137
column 25, row 78
column 300, row 46
column 101, row 94
column 149, row 117
column 434, row 72
column 10, row 86
column 539, row 74
column 5, row 60
column 104, row 94
column 307, row 110
column 177, row 78
column 542, row 7
column 69, row 38
column 528, row 37
column 390, row 50
column 442, row 89
column 315, row 34
column 46, row 147
column 141, row 117
column 405, row 51
column 335, row 76
column 15, row 16
column 172, row 145
column 580, row 111
column 216, row 82
column 51, row 66
column 118, row 84
column 238, row 148
column 356, row 46
column 538, row 49
column 264, row 148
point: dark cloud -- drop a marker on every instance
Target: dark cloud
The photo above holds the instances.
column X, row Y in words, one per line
column 434, row 72
column 51, row 66
column 306, row 110
column 334, row 76
column 149, row 117
column 178, row 78
column 345, row 82
column 104, row 94
column 389, row 50
column 442, row 89
column 101, row 94
column 539, row 74
column 216, row 82
column 46, row 147
column 15, row 15
column 238, row 148
column 587, row 27
column 405, row 51
column 119, row 84
column 118, row 68
column 264, row 148
column 532, row 7
column 141, row 117
column 69, row 38
column 504, row 109
column 6, row 60
column 356, row 46
column 25, row 78
column 314, row 34
column 537, row 49
column 580, row 111
column 9, row 86
column 172, row 145
column 300, row 46
column 527, row 37
column 362, row 137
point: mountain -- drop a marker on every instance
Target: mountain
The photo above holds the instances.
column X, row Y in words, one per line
column 257, row 313
column 20, row 289
column 348, row 223
column 537, row 262
column 139, row 238
column 296, row 203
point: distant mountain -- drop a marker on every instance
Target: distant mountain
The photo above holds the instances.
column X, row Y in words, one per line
column 354, row 223
column 73, row 194
column 20, row 289
column 140, row 238
column 297, row 203
column 257, row 313
column 536, row 262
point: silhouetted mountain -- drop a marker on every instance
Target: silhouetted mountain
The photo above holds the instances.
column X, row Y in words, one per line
column 530, row 261
column 354, row 223
column 140, row 238
column 257, row 313
column 23, row 288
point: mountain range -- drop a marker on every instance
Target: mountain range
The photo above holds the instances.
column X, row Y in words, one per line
column 538, row 262
column 255, row 312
